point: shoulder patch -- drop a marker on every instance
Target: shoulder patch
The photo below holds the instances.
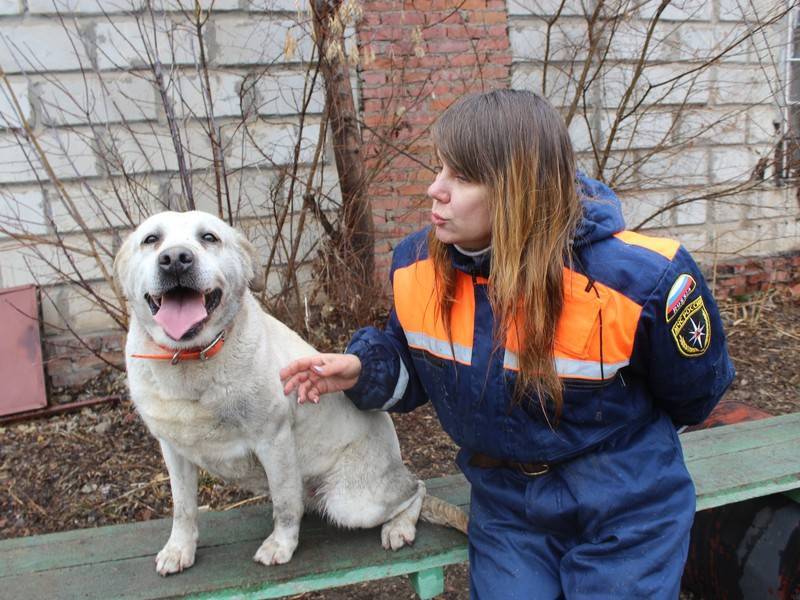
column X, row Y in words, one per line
column 678, row 294
column 692, row 329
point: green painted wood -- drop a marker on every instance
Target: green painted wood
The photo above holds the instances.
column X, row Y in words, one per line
column 728, row 464
column 740, row 436
column 794, row 495
column 428, row 583
column 745, row 460
column 124, row 567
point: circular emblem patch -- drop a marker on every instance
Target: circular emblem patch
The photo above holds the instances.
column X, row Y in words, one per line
column 692, row 329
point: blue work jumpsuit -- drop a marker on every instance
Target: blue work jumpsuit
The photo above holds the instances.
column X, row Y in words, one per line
column 640, row 350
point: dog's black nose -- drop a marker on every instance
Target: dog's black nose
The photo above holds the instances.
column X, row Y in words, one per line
column 176, row 260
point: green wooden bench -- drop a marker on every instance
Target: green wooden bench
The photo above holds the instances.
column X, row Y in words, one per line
column 728, row 464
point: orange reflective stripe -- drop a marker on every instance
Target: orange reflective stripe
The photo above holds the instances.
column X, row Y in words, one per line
column 663, row 246
column 416, row 306
column 578, row 329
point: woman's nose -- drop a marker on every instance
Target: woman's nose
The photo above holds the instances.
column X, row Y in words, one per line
column 437, row 190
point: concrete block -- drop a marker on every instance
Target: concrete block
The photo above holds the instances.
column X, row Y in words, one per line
column 42, row 46
column 649, row 128
column 580, row 134
column 628, row 41
column 676, row 83
column 710, row 125
column 701, row 42
column 14, row 269
column 527, row 8
column 148, row 149
column 83, row 7
column 691, row 213
column 752, row 10
column 645, row 208
column 281, row 93
column 678, row 10
column 528, row 40
column 760, row 124
column 248, row 41
column 70, row 154
column 296, row 6
column 188, row 5
column 695, row 241
column 744, row 85
column 10, row 7
column 188, row 96
column 727, row 209
column 269, row 145
column 560, row 85
column 64, row 306
column 9, row 115
column 93, row 99
column 22, row 212
column 684, row 167
column 104, row 205
column 125, row 43
column 734, row 164
column 771, row 203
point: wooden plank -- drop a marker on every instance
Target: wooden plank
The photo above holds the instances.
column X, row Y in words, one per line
column 428, row 583
column 740, row 436
column 228, row 570
column 118, row 561
column 745, row 460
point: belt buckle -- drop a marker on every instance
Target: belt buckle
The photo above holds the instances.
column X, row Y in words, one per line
column 541, row 470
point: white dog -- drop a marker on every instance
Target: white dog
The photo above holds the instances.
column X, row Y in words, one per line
column 203, row 361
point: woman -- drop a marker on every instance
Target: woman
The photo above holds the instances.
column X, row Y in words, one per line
column 560, row 353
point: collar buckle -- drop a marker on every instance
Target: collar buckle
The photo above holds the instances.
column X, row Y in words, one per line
column 204, row 352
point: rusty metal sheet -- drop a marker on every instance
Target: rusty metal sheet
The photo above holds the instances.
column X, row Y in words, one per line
column 22, row 384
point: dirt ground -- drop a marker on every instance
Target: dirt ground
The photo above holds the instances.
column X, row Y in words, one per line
column 100, row 466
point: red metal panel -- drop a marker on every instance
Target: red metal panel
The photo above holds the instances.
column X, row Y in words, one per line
column 21, row 371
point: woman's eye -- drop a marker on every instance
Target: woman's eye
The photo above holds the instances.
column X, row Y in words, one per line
column 210, row 237
column 150, row 239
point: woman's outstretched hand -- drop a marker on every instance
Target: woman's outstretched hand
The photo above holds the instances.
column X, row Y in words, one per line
column 313, row 376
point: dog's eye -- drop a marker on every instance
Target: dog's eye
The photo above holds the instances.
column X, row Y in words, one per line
column 150, row 239
column 210, row 237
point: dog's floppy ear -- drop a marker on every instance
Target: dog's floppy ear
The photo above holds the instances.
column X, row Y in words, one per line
column 121, row 262
column 253, row 268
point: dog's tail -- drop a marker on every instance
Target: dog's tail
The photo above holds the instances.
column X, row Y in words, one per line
column 437, row 511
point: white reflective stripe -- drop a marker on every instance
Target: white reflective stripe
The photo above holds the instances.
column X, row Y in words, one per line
column 439, row 347
column 569, row 367
column 400, row 388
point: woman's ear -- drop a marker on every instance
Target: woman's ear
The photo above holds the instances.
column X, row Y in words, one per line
column 253, row 268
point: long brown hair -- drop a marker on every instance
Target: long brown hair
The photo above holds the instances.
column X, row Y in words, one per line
column 516, row 144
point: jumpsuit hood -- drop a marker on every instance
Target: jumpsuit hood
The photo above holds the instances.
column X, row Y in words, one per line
column 602, row 218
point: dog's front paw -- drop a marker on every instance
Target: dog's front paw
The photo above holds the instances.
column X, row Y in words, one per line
column 174, row 558
column 275, row 551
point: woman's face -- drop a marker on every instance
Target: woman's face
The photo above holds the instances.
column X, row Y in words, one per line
column 460, row 213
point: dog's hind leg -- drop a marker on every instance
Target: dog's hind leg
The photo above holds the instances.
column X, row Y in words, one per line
column 402, row 528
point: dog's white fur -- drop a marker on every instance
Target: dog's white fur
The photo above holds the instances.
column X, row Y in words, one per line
column 229, row 414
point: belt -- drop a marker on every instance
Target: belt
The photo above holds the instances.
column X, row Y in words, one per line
column 531, row 469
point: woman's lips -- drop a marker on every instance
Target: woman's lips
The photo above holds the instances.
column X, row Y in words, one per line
column 437, row 220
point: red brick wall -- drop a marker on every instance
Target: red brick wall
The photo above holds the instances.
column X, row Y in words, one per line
column 748, row 276
column 427, row 54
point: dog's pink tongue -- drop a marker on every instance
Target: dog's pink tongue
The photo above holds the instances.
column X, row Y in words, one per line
column 180, row 312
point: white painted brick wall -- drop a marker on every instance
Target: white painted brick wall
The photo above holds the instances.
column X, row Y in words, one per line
column 732, row 165
column 713, row 126
column 247, row 41
column 10, row 7
column 9, row 115
column 42, row 45
column 22, row 211
column 83, row 7
column 678, row 10
column 125, row 43
column 110, row 97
